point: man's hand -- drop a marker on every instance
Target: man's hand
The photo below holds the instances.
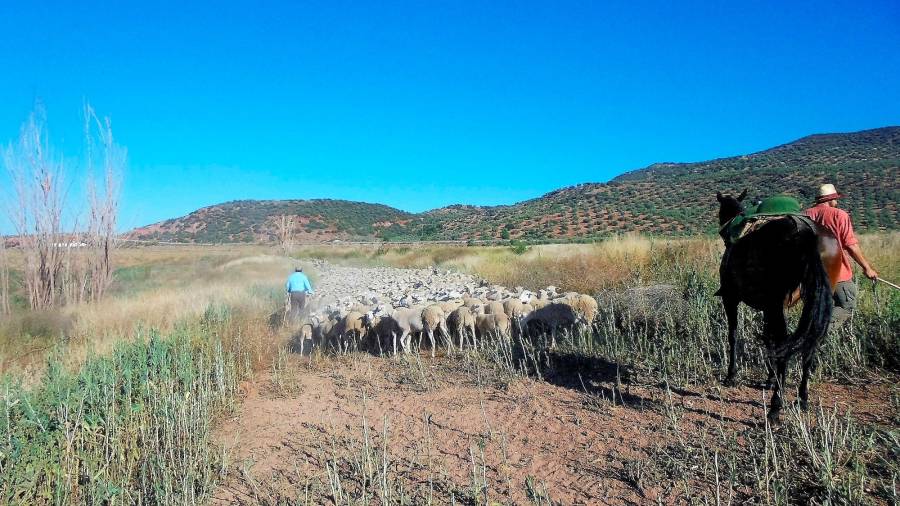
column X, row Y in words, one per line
column 857, row 254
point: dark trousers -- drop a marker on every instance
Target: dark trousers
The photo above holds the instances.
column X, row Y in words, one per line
column 298, row 302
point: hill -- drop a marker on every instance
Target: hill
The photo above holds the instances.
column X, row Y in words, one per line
column 258, row 221
column 678, row 198
column 664, row 198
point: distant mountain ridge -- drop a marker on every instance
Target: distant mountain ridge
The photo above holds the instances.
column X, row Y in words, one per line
column 663, row 198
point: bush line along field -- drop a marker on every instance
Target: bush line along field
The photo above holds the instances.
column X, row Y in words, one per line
column 665, row 198
column 131, row 388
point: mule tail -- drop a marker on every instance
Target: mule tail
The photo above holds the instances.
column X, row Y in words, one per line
column 818, row 304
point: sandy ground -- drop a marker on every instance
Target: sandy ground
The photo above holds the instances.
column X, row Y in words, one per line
column 452, row 428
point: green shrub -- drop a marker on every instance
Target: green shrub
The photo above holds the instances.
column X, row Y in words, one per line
column 518, row 247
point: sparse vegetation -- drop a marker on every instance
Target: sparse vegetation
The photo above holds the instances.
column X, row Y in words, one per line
column 659, row 360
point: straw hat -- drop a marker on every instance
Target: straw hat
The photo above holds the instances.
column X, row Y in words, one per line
column 827, row 192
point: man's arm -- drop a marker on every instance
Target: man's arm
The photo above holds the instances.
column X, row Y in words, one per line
column 856, row 253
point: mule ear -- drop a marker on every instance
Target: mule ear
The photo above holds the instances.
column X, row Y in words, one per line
column 719, row 196
column 742, row 196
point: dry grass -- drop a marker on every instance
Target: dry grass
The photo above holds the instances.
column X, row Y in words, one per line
column 155, row 288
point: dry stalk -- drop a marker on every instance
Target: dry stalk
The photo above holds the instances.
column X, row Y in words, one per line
column 4, row 279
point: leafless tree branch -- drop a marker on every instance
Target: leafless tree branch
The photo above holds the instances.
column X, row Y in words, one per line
column 286, row 226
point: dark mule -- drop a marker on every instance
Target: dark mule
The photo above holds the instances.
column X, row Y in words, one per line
column 781, row 262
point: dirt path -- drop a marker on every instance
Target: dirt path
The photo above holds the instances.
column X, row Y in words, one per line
column 449, row 437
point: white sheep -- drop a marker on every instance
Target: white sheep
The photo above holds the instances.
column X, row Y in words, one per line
column 497, row 324
column 405, row 322
column 349, row 330
column 462, row 322
column 494, row 307
column 434, row 320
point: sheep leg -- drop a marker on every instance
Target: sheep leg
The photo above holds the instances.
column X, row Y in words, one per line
column 446, row 333
column 431, row 339
column 404, row 341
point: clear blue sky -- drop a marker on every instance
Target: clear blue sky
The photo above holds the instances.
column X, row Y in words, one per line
column 423, row 104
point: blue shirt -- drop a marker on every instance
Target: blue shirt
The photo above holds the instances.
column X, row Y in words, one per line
column 298, row 282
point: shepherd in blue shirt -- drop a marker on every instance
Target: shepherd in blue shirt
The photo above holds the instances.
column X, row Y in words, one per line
column 297, row 287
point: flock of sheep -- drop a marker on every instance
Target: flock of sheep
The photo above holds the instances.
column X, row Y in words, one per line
column 458, row 321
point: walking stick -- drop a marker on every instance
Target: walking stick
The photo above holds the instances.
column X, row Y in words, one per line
column 888, row 283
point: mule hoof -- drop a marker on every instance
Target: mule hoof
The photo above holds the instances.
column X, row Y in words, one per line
column 730, row 381
column 774, row 417
column 804, row 405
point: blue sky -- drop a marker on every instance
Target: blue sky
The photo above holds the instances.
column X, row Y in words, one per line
column 423, row 104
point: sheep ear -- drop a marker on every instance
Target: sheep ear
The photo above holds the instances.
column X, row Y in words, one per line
column 719, row 196
column 742, row 196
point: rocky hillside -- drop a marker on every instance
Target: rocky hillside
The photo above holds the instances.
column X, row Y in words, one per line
column 664, row 198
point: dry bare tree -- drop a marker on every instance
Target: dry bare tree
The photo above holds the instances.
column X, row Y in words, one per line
column 103, row 199
column 286, row 225
column 36, row 214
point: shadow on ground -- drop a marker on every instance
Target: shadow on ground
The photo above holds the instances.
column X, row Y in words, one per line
column 593, row 376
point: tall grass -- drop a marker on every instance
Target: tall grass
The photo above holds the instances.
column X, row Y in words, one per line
column 131, row 427
column 117, row 400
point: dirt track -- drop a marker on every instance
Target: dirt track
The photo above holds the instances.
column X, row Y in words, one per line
column 573, row 443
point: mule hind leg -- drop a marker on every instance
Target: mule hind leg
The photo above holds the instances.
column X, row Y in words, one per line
column 809, row 365
column 775, row 338
column 731, row 313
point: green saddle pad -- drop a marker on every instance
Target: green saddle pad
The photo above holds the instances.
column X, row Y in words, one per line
column 778, row 205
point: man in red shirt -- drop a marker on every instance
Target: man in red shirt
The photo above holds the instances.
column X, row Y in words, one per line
column 827, row 214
